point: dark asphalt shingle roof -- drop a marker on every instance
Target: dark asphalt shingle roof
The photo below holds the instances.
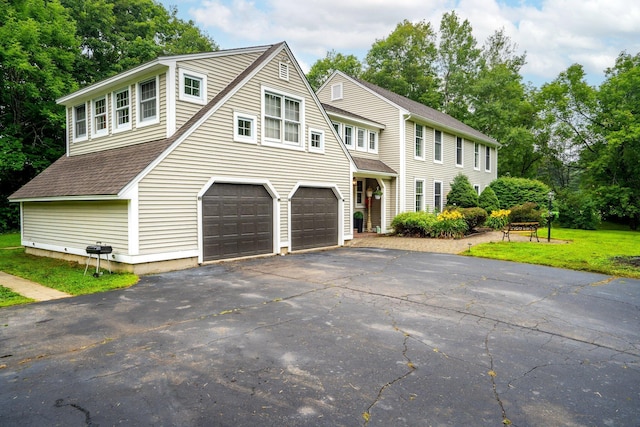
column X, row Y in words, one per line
column 372, row 165
column 106, row 173
column 426, row 112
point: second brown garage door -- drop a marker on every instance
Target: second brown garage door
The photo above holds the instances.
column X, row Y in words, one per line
column 237, row 221
column 314, row 218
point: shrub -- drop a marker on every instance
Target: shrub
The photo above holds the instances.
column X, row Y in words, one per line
column 449, row 224
column 578, row 210
column 358, row 215
column 462, row 193
column 413, row 224
column 498, row 219
column 526, row 213
column 517, row 191
column 475, row 217
column 488, row 200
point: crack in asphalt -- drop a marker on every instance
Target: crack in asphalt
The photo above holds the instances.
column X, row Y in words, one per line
column 367, row 414
column 492, row 374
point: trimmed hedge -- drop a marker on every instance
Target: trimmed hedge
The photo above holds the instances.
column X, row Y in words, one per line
column 475, row 217
column 517, row 191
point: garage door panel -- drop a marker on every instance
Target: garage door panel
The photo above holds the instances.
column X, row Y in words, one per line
column 314, row 218
column 237, row 221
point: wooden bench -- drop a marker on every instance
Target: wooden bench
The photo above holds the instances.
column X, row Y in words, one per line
column 531, row 227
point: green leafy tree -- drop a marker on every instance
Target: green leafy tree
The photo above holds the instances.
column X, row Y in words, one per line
column 458, row 57
column 117, row 35
column 462, row 193
column 323, row 68
column 38, row 48
column 488, row 200
column 613, row 160
column 404, row 63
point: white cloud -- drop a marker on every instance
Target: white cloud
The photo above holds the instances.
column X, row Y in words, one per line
column 554, row 33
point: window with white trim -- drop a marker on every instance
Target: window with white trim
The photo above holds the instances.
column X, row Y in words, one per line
column 373, row 142
column 459, row 151
column 487, row 159
column 477, row 188
column 419, row 195
column 148, row 102
column 476, row 156
column 337, row 126
column 348, row 136
column 419, row 148
column 282, row 118
column 360, row 193
column 437, row 146
column 80, row 122
column 121, row 110
column 244, row 126
column 100, row 116
column 193, row 86
column 437, row 196
column 336, row 91
column 361, row 141
column 316, row 141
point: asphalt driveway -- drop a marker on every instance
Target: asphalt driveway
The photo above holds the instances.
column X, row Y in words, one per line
column 349, row 337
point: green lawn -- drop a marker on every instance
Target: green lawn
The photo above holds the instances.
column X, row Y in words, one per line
column 597, row 251
column 62, row 275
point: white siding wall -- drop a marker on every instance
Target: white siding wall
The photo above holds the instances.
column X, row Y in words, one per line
column 76, row 224
column 168, row 215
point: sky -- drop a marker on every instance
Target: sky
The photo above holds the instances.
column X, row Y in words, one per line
column 554, row 34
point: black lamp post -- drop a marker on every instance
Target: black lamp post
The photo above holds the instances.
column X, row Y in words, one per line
column 550, row 196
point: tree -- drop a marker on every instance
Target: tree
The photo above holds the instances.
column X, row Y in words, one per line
column 462, row 193
column 404, row 63
column 488, row 200
column 323, row 68
column 457, row 64
column 119, row 34
column 613, row 159
column 37, row 52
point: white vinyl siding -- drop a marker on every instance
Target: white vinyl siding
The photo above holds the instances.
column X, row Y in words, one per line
column 77, row 224
column 168, row 202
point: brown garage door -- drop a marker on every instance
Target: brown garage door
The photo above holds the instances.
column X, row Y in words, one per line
column 237, row 221
column 314, row 218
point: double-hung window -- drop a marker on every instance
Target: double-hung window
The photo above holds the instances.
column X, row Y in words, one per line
column 459, row 151
column 282, row 118
column 360, row 193
column 419, row 150
column 373, row 142
column 80, row 122
column 361, row 142
column 121, row 110
column 487, row 159
column 437, row 146
column 476, row 156
column 437, row 196
column 100, row 116
column 419, row 195
column 348, row 136
column 148, row 102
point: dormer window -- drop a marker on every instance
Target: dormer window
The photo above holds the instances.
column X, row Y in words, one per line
column 80, row 122
column 100, row 116
column 121, row 110
column 193, row 86
column 148, row 102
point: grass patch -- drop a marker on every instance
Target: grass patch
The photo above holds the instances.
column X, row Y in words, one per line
column 10, row 240
column 8, row 298
column 599, row 251
column 65, row 276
